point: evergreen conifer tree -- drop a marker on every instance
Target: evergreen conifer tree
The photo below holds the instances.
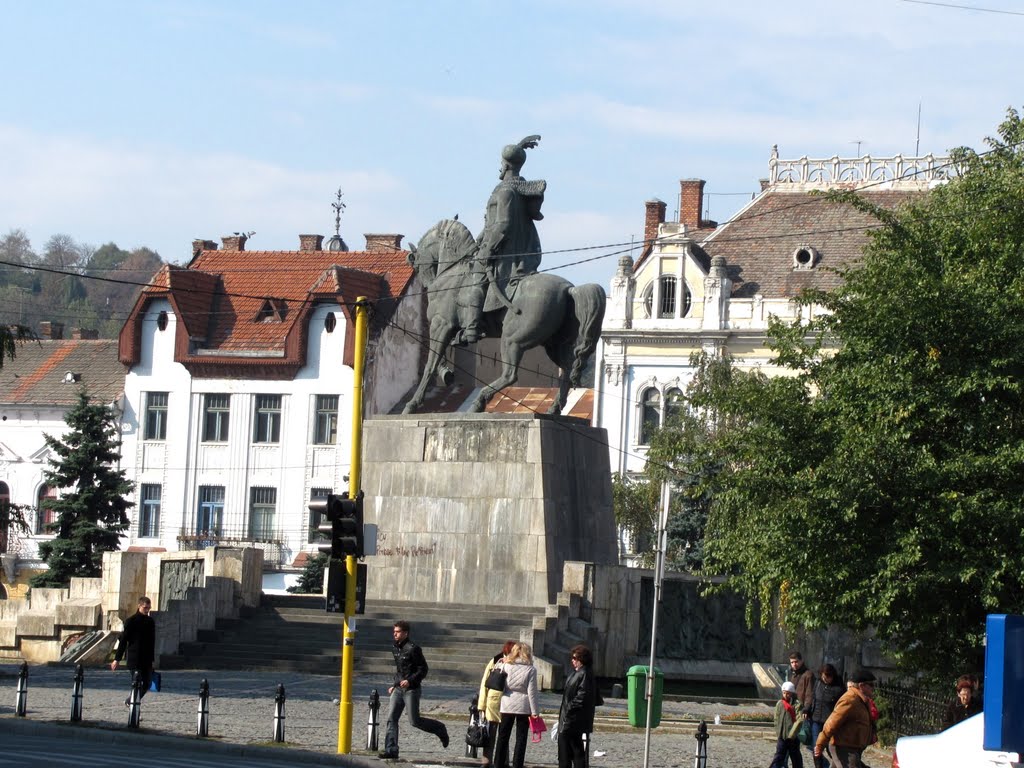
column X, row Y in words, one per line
column 91, row 515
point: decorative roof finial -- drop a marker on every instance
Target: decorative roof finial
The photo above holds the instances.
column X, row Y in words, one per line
column 338, row 207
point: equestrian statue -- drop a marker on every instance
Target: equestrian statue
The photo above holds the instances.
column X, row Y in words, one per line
column 490, row 286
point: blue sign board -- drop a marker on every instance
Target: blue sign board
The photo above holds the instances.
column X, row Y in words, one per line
column 1004, row 683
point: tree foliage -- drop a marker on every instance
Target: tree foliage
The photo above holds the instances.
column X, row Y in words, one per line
column 91, row 513
column 311, row 580
column 883, row 485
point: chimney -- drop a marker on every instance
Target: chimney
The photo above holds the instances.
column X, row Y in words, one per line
column 311, row 242
column 202, row 245
column 764, row 184
column 87, row 334
column 654, row 215
column 234, row 242
column 691, row 202
column 379, row 243
column 51, row 331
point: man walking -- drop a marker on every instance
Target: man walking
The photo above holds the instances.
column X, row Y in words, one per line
column 849, row 729
column 138, row 644
column 410, row 669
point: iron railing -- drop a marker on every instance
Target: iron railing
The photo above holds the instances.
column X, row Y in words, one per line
column 273, row 543
column 909, row 711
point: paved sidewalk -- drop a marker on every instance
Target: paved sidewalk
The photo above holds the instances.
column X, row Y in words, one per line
column 242, row 709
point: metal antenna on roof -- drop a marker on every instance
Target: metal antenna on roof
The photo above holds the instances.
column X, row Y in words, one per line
column 858, row 142
column 338, row 207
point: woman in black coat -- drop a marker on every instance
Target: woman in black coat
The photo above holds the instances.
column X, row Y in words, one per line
column 576, row 716
column 827, row 690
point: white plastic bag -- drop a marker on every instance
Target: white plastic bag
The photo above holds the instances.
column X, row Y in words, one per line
column 554, row 731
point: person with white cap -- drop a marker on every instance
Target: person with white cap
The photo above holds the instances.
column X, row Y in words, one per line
column 787, row 722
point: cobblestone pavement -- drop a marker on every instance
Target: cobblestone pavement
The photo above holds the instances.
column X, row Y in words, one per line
column 242, row 710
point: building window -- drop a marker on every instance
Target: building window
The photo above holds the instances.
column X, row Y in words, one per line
column 650, row 415
column 156, row 416
column 669, row 296
column 325, row 431
column 674, row 406
column 314, row 523
column 216, row 409
column 45, row 514
column 262, row 508
column 149, row 512
column 5, row 515
column 210, row 516
column 268, row 419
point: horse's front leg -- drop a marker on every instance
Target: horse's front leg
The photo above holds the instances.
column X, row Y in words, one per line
column 511, row 356
column 441, row 334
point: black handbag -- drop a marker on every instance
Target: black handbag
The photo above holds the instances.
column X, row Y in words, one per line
column 496, row 679
column 476, row 735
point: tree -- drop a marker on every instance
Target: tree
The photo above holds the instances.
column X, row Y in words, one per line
column 92, row 515
column 883, row 485
column 311, row 580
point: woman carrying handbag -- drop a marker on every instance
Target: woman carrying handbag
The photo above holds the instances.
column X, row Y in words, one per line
column 518, row 704
column 489, row 702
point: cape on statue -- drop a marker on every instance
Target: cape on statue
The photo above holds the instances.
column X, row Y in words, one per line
column 543, row 310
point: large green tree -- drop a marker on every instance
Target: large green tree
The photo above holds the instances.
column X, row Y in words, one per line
column 91, row 513
column 882, row 483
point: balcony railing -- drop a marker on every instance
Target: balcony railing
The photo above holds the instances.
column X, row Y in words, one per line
column 273, row 542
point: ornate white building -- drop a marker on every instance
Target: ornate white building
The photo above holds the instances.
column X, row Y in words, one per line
column 700, row 286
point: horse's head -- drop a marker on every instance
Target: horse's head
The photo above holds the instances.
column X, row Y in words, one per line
column 444, row 245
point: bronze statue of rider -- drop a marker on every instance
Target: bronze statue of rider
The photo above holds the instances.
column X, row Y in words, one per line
column 508, row 247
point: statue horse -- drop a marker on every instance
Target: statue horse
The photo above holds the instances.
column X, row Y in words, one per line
column 546, row 310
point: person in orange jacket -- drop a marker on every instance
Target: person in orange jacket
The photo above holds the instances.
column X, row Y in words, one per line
column 850, row 728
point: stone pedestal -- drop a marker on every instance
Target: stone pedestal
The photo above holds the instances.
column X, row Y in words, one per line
column 484, row 508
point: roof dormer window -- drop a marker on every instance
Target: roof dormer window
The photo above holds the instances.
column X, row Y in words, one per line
column 272, row 311
column 805, row 257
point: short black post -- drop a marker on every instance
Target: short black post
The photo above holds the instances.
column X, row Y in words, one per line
column 135, row 702
column 700, row 759
column 76, row 694
column 279, row 713
column 373, row 721
column 474, row 715
column 21, row 707
column 586, row 750
column 203, row 710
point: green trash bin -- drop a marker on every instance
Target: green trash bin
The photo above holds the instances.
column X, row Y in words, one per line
column 636, row 695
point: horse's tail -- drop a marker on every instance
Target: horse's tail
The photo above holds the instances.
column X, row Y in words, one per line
column 589, row 301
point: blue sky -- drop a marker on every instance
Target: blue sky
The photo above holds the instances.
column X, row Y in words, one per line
column 153, row 123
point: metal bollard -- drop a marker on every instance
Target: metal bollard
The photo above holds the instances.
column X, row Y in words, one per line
column 135, row 702
column 473, row 715
column 586, row 750
column 279, row 713
column 21, row 705
column 76, row 694
column 373, row 721
column 700, row 759
column 203, row 710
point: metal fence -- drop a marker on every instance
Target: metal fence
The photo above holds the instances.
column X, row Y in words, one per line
column 909, row 711
column 271, row 542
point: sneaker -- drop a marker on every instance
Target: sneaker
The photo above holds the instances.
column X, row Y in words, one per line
column 385, row 755
column 444, row 737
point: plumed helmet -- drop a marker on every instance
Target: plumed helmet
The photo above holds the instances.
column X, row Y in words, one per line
column 514, row 155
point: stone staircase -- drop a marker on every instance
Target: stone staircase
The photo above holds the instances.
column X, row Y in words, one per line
column 295, row 633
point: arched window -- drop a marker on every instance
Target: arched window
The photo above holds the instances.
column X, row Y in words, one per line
column 674, row 405
column 669, row 295
column 650, row 416
column 5, row 509
column 44, row 513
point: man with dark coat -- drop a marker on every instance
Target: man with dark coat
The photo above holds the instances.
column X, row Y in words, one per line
column 138, row 645
column 803, row 679
column 410, row 669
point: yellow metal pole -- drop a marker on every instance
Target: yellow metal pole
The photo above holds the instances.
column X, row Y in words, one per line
column 349, row 637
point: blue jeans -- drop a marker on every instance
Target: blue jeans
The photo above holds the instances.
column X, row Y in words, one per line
column 400, row 699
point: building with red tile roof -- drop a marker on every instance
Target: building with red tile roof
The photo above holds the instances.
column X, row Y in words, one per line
column 37, row 388
column 239, row 386
column 699, row 286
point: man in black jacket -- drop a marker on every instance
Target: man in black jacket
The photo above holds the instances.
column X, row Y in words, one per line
column 138, row 643
column 410, row 669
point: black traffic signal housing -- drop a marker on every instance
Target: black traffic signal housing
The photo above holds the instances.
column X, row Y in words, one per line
column 341, row 520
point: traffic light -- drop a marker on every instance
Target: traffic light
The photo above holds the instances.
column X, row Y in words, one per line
column 341, row 520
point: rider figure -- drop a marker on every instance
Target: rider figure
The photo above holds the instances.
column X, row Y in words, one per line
column 508, row 247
